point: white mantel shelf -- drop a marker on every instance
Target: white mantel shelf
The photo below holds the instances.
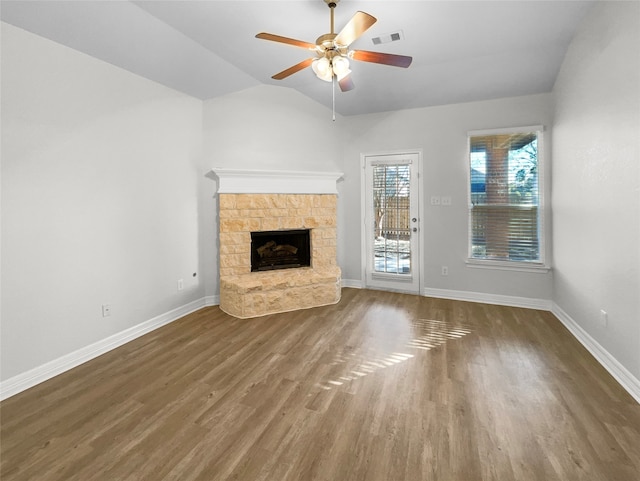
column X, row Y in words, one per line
column 236, row 181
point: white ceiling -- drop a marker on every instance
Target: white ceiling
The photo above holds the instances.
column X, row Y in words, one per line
column 462, row 50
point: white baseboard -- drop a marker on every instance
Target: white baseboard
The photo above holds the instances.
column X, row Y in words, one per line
column 627, row 380
column 212, row 301
column 356, row 284
column 511, row 301
column 51, row 369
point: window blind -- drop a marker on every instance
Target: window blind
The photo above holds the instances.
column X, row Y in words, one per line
column 504, row 197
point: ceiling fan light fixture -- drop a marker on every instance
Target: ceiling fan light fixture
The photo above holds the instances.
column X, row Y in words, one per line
column 340, row 67
column 322, row 68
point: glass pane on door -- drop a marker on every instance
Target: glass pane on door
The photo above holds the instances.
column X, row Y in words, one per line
column 391, row 226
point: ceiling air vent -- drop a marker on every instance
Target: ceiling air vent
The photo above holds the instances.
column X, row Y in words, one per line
column 388, row 38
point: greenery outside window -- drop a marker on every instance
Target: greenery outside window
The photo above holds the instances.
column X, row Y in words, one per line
column 505, row 215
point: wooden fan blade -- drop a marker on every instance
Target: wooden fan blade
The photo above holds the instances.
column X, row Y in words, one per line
column 291, row 70
column 383, row 58
column 358, row 24
column 346, row 84
column 287, row 40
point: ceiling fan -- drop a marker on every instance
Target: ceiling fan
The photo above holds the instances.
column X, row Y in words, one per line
column 332, row 52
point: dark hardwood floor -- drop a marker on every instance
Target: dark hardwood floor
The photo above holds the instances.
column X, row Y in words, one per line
column 382, row 386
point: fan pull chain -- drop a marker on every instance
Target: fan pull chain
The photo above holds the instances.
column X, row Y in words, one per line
column 333, row 90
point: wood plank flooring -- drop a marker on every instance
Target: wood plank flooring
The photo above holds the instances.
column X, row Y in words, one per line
column 382, row 386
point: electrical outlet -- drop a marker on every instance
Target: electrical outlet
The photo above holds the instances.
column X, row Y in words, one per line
column 604, row 317
column 445, row 200
column 106, row 310
column 180, row 284
column 435, row 200
column 445, row 271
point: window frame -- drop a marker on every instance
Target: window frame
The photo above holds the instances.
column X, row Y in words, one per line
column 517, row 265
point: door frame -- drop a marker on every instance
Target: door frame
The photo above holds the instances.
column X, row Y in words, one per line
column 363, row 213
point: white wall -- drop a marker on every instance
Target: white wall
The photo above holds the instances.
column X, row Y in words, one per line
column 441, row 134
column 269, row 128
column 596, row 180
column 100, row 172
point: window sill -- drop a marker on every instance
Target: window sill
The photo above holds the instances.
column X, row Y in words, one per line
column 508, row 266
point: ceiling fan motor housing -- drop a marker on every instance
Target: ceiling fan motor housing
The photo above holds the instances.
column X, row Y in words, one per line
column 327, row 46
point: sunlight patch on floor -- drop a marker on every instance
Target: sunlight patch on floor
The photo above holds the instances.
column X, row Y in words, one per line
column 435, row 333
column 427, row 334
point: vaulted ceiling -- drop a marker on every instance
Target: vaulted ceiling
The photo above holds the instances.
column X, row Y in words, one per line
column 462, row 50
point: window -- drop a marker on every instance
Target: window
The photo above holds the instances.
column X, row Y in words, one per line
column 505, row 226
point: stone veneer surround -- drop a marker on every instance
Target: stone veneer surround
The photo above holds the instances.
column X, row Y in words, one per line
column 247, row 294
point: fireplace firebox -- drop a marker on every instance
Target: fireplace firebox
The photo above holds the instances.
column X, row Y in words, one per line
column 281, row 249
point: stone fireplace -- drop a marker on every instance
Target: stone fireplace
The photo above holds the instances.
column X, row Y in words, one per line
column 273, row 212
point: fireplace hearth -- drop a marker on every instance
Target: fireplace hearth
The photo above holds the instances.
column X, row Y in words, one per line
column 273, row 250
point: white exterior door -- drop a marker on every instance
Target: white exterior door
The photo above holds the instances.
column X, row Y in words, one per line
column 391, row 231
